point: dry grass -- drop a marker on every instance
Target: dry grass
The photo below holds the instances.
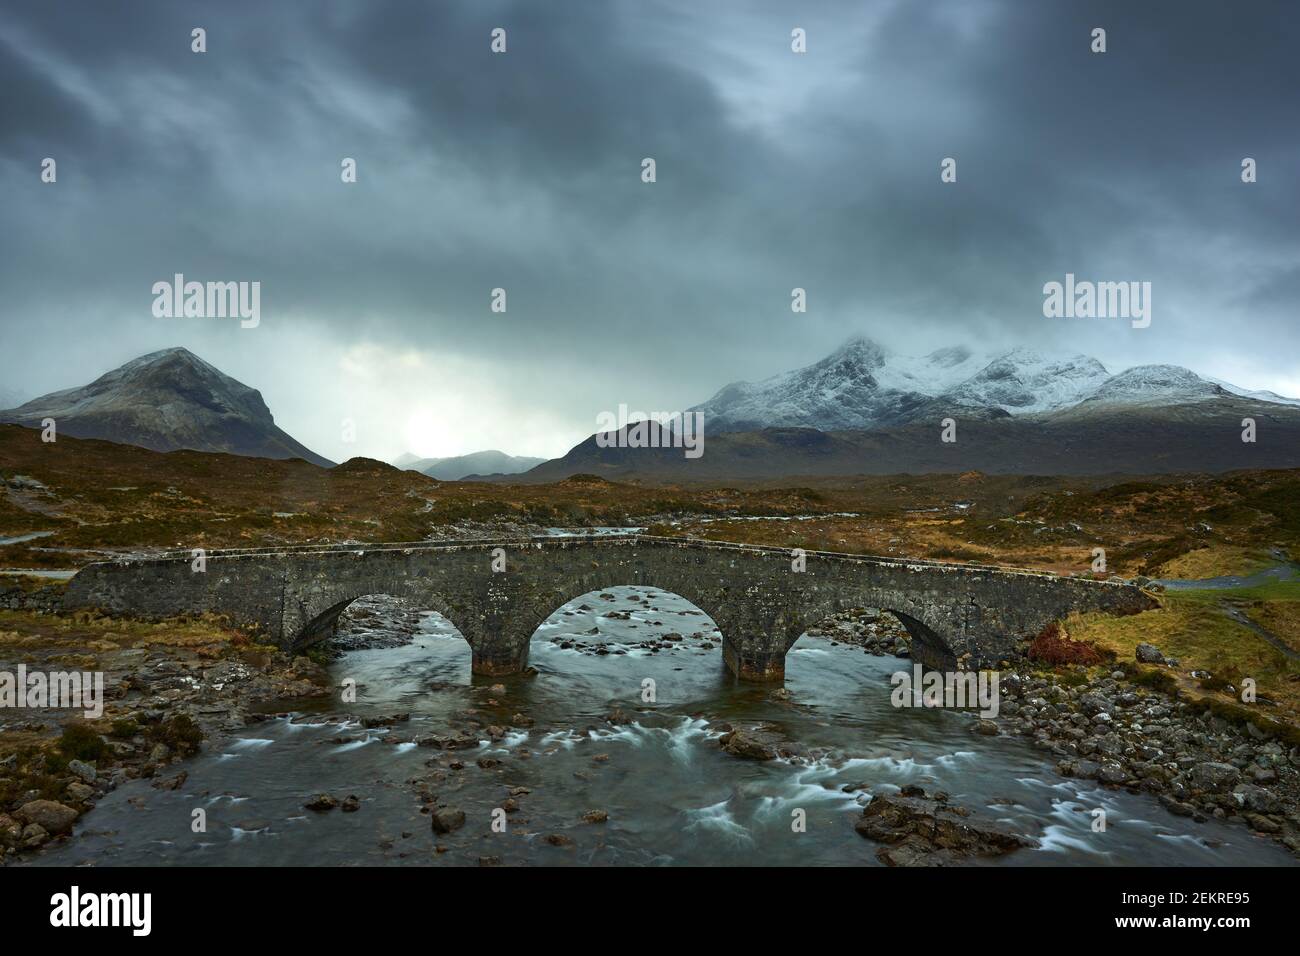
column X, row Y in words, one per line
column 1215, row 562
column 1201, row 637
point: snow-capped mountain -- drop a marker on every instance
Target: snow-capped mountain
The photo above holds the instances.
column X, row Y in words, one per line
column 165, row 401
column 853, row 387
column 1154, row 385
column 1022, row 381
column 1263, row 394
column 862, row 385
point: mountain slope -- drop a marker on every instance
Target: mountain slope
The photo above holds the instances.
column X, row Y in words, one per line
column 1092, row 438
column 491, row 462
column 165, row 401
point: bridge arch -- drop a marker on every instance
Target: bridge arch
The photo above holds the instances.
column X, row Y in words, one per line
column 649, row 618
column 320, row 614
column 324, row 624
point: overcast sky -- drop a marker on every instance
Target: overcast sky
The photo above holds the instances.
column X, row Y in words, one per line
column 523, row 171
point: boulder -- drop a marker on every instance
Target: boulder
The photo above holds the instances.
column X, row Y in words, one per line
column 1149, row 654
column 83, row 770
column 446, row 819
column 920, row 830
column 740, row 744
column 1213, row 776
column 52, row 817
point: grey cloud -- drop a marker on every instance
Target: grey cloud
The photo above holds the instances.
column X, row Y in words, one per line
column 521, row 171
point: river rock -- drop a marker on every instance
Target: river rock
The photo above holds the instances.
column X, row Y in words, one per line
column 924, row 831
column 79, row 792
column 447, row 819
column 321, row 803
column 85, row 771
column 740, row 744
column 1213, row 776
column 33, row 835
column 1256, row 799
column 350, row 804
column 172, row 783
column 595, row 816
column 53, row 817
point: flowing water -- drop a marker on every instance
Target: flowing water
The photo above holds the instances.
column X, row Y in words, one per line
column 673, row 797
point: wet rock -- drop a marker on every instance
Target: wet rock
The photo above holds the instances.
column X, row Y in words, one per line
column 740, row 744
column 557, row 839
column 321, row 803
column 80, row 792
column 384, row 720
column 986, row 728
column 1263, row 824
column 172, row 783
column 53, row 817
column 350, row 804
column 447, row 819
column 1112, row 773
column 461, row 741
column 595, row 816
column 1177, row 807
column 922, row 831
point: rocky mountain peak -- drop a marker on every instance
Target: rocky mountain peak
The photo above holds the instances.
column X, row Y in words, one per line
column 167, row 400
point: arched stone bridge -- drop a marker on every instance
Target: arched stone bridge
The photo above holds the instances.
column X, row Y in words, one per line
column 760, row 604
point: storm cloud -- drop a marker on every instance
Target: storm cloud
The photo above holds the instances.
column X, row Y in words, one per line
column 521, row 170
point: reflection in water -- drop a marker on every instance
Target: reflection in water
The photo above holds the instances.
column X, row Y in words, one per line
column 672, row 796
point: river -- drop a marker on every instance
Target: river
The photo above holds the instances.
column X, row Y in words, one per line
column 672, row 796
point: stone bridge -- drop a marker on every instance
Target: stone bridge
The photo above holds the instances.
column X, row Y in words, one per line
column 293, row 596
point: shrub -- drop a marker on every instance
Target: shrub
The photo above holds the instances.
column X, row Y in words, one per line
column 124, row 728
column 1053, row 647
column 1153, row 677
column 180, row 733
column 80, row 742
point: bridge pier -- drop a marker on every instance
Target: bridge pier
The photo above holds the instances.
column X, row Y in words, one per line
column 750, row 664
column 497, row 665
